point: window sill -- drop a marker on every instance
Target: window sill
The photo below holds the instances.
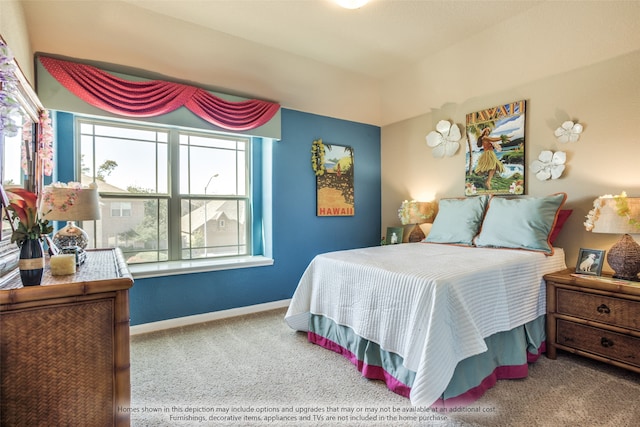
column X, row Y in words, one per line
column 171, row 268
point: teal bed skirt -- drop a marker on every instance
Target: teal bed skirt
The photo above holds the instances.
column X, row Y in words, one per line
column 507, row 357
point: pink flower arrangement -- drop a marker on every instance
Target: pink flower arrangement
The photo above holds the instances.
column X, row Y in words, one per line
column 24, row 207
column 46, row 143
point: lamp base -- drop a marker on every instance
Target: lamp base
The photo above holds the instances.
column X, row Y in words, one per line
column 624, row 258
column 71, row 235
column 416, row 235
column 72, row 239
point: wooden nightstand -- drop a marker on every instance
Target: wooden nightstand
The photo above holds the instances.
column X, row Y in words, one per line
column 596, row 317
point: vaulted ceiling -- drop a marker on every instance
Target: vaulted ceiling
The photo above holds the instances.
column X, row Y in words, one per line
column 309, row 55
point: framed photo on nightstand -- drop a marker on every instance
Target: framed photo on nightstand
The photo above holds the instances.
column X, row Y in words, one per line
column 394, row 235
column 590, row 262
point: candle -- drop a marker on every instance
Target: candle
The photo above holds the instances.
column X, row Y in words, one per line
column 63, row 264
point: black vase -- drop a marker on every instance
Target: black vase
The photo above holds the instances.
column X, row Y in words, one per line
column 31, row 264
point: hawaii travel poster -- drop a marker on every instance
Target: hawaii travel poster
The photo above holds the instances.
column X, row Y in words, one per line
column 334, row 180
column 495, row 150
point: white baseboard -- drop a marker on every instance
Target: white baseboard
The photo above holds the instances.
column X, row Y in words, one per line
column 206, row 317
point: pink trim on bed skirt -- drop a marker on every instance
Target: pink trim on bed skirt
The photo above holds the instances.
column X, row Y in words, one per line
column 533, row 357
column 475, row 393
column 368, row 371
column 466, row 398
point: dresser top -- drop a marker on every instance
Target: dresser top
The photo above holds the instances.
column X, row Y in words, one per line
column 104, row 270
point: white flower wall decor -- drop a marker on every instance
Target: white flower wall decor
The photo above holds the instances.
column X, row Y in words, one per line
column 444, row 140
column 549, row 165
column 568, row 132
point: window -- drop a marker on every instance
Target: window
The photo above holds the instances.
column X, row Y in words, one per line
column 120, row 208
column 168, row 193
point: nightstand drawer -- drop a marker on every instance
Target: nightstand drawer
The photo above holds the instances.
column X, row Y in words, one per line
column 605, row 343
column 613, row 311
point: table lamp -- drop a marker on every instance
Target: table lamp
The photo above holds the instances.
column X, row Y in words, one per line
column 414, row 212
column 619, row 215
column 70, row 202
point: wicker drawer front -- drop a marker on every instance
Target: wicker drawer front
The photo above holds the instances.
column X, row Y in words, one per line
column 612, row 345
column 57, row 365
column 613, row 311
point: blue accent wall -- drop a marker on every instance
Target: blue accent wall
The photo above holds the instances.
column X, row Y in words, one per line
column 297, row 234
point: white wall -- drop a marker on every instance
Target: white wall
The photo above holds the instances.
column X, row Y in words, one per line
column 604, row 97
column 14, row 32
column 550, row 38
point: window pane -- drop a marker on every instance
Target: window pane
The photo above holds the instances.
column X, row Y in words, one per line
column 191, row 226
column 12, row 159
column 242, row 174
column 137, row 226
column 211, row 165
column 163, row 168
column 213, row 228
column 128, row 159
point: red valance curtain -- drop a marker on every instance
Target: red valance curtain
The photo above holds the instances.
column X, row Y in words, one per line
column 156, row 97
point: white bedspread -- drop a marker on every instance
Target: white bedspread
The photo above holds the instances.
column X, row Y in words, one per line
column 431, row 304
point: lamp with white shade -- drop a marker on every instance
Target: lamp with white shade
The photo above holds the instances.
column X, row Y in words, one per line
column 618, row 215
column 70, row 202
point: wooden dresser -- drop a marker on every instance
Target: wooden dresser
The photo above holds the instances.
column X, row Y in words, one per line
column 596, row 317
column 64, row 347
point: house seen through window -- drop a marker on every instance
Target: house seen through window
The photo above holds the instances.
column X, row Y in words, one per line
column 120, row 208
column 166, row 193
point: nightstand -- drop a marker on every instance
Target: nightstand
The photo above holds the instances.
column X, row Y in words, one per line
column 595, row 317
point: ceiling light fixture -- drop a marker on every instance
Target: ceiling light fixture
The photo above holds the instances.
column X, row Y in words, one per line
column 352, row 4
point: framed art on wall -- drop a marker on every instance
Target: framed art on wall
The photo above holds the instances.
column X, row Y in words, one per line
column 590, row 261
column 333, row 165
column 495, row 162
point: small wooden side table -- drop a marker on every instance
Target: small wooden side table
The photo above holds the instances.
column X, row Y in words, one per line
column 595, row 317
column 64, row 347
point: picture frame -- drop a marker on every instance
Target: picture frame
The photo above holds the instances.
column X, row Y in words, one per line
column 334, row 166
column 495, row 152
column 590, row 261
column 398, row 231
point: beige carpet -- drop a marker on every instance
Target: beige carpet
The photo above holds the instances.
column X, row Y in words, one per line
column 255, row 371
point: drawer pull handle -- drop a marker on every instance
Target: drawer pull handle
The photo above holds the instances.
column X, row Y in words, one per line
column 605, row 342
column 603, row 309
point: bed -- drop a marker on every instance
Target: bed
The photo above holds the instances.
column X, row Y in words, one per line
column 440, row 321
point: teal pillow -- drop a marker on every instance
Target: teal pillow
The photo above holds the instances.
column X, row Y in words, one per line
column 458, row 220
column 522, row 223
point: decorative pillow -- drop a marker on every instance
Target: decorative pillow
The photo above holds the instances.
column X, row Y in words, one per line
column 522, row 223
column 563, row 215
column 458, row 220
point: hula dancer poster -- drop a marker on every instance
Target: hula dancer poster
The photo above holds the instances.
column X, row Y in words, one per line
column 333, row 166
column 495, row 150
